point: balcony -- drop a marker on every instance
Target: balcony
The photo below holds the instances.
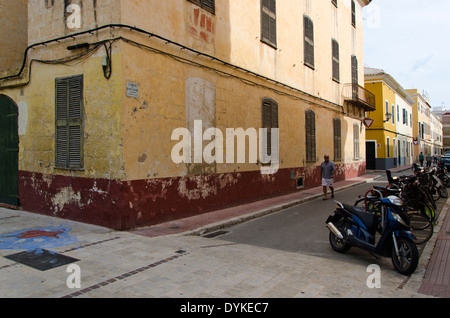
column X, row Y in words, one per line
column 359, row 96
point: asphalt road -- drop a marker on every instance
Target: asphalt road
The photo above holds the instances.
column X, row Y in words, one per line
column 301, row 229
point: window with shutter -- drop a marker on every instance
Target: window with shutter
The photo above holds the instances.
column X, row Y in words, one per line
column 310, row 132
column 354, row 69
column 356, row 141
column 335, row 62
column 353, row 13
column 269, row 22
column 69, row 123
column 269, row 120
column 208, row 5
column 308, row 30
column 337, row 139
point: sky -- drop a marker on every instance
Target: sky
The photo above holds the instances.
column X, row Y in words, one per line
column 410, row 40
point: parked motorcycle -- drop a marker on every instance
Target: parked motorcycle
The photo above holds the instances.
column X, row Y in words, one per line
column 351, row 226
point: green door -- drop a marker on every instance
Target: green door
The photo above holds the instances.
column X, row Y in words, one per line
column 9, row 152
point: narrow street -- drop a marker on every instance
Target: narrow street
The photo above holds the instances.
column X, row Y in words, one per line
column 301, row 228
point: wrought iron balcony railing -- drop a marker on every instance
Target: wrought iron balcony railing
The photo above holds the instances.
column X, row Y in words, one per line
column 359, row 96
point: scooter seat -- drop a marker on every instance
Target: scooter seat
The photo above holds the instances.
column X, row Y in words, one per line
column 370, row 220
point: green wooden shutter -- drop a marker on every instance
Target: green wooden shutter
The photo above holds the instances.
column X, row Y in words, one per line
column 310, row 129
column 335, row 54
column 69, row 123
column 209, row 5
column 308, row 29
column 269, row 120
column 269, row 22
column 337, row 139
column 353, row 13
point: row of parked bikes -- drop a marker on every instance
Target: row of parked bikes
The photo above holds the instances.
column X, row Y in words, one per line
column 391, row 221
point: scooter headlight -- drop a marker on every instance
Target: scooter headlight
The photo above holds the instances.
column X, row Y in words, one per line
column 395, row 200
column 399, row 219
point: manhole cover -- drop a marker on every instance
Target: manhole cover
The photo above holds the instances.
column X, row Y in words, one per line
column 41, row 259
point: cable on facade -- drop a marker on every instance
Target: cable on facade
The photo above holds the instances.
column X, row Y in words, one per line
column 108, row 69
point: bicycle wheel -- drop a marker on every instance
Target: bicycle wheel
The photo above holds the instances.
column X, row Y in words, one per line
column 429, row 196
column 421, row 227
column 368, row 206
column 421, row 207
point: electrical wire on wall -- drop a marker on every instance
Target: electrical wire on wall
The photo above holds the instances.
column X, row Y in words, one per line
column 72, row 61
column 107, row 67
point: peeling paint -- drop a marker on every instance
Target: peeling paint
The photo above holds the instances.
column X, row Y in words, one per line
column 65, row 196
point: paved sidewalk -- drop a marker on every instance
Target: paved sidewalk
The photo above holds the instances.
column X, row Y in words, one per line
column 163, row 261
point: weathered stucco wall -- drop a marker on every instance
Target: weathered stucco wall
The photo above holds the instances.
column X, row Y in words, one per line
column 13, row 34
column 129, row 178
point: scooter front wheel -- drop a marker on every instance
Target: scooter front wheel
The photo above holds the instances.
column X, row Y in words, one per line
column 408, row 256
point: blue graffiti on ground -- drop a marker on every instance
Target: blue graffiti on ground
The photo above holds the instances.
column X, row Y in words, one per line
column 37, row 238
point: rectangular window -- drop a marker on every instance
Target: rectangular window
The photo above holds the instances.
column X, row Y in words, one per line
column 393, row 114
column 388, row 148
column 335, row 62
column 310, row 129
column 356, row 141
column 354, row 70
column 308, row 33
column 337, row 139
column 269, row 22
column 208, row 5
column 269, row 120
column 69, row 123
column 353, row 13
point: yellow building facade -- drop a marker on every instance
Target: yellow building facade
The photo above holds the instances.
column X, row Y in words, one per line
column 106, row 85
column 389, row 141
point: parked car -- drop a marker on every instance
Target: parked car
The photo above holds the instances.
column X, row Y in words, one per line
column 445, row 160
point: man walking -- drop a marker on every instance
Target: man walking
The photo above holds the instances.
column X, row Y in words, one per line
column 327, row 169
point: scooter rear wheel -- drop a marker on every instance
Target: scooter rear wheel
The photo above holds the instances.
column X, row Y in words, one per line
column 408, row 258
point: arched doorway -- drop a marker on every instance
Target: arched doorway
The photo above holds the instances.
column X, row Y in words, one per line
column 9, row 151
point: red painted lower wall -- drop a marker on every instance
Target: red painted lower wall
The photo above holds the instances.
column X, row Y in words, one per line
column 124, row 205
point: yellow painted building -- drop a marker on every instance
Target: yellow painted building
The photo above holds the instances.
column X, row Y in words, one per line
column 422, row 123
column 106, row 84
column 389, row 141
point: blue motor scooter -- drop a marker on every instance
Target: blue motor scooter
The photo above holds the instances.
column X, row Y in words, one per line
column 351, row 226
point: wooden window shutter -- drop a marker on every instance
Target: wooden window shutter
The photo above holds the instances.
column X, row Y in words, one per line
column 69, row 123
column 335, row 62
column 310, row 129
column 354, row 70
column 269, row 22
column 353, row 13
column 356, row 141
column 269, row 120
column 208, row 5
column 337, row 139
column 308, row 30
